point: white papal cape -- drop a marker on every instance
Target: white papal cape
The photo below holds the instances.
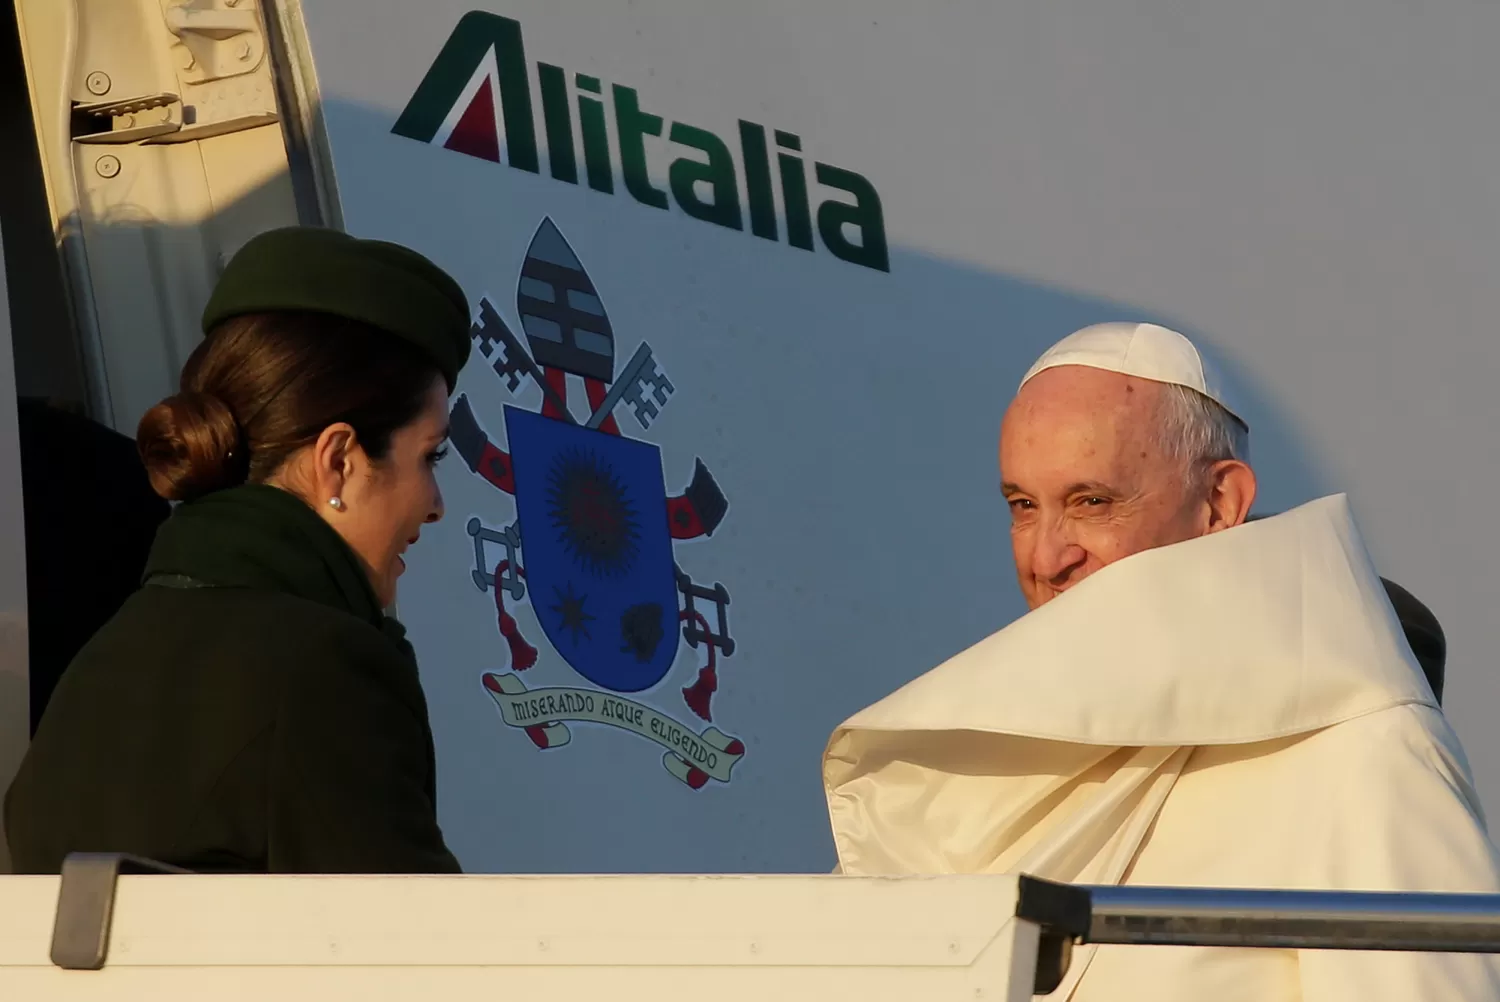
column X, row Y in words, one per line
column 1240, row 710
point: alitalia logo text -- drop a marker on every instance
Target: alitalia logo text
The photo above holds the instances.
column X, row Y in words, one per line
column 456, row 102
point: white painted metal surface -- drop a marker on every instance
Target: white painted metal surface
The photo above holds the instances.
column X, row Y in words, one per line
column 1304, row 186
column 736, row 939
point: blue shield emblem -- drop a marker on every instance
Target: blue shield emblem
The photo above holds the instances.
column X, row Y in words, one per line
column 592, row 509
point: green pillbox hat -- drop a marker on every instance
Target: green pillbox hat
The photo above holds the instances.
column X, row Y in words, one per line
column 381, row 284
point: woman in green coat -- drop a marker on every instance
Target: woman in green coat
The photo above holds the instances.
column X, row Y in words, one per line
column 252, row 708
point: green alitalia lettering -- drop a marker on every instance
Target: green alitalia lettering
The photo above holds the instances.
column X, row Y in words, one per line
column 723, row 205
column 559, row 122
column 864, row 215
column 633, row 126
column 702, row 177
column 799, row 230
column 477, row 34
column 596, row 158
column 758, row 191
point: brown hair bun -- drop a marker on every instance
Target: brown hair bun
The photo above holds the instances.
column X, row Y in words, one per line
column 191, row 445
column 263, row 386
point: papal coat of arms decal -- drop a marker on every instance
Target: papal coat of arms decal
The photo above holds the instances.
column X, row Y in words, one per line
column 595, row 526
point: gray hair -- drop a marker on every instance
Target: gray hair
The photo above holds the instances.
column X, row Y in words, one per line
column 1197, row 432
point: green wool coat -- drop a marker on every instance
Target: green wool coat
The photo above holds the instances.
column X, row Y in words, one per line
column 249, row 710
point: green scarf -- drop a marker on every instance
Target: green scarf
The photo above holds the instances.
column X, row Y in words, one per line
column 266, row 539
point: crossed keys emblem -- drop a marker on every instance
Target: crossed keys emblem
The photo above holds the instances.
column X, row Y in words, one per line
column 595, row 527
column 641, row 384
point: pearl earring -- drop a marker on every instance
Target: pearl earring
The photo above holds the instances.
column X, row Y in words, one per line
column 336, row 503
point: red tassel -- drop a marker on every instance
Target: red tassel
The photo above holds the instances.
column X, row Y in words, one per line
column 697, row 695
column 522, row 654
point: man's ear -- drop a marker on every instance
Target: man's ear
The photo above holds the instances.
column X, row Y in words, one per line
column 1231, row 492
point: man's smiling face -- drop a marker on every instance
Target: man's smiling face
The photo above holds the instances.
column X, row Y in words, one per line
column 1087, row 478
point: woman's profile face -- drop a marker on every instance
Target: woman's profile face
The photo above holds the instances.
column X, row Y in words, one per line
column 385, row 508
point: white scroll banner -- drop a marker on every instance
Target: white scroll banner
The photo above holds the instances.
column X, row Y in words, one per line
column 694, row 757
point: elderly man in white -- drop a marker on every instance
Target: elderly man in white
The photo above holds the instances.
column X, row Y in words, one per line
column 1191, row 700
